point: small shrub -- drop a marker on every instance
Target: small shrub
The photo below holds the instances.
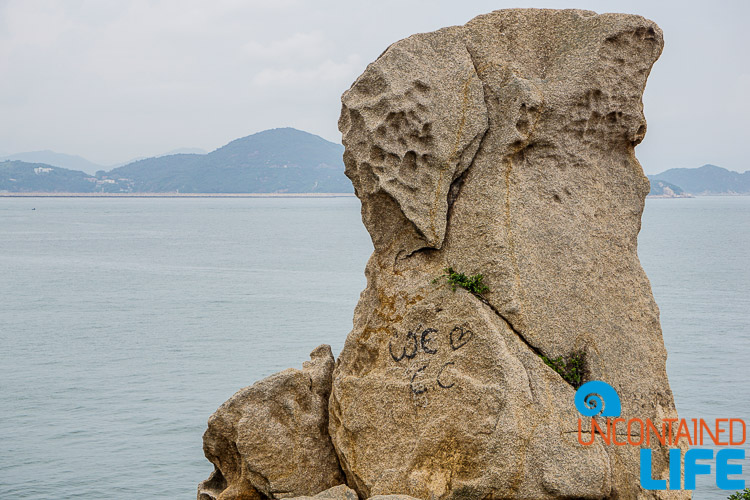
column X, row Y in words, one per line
column 471, row 283
column 740, row 495
column 570, row 369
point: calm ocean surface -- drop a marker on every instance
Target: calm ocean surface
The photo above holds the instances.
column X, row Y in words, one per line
column 126, row 322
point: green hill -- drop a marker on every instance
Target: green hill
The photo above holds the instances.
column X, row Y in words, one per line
column 22, row 177
column 52, row 158
column 283, row 160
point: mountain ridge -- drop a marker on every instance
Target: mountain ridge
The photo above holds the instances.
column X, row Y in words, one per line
column 55, row 159
column 282, row 160
column 706, row 180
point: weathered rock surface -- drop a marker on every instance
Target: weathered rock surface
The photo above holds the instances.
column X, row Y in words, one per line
column 503, row 147
column 391, row 497
column 343, row 492
column 271, row 438
column 340, row 492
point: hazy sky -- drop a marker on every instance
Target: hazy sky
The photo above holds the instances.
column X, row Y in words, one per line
column 113, row 80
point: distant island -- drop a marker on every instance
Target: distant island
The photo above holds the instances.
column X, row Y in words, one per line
column 277, row 161
column 283, row 160
column 702, row 181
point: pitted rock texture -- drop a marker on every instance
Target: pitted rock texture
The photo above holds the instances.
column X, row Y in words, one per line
column 410, row 138
column 503, row 147
column 270, row 440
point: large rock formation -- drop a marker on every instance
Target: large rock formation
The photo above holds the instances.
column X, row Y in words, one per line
column 271, row 439
column 503, row 147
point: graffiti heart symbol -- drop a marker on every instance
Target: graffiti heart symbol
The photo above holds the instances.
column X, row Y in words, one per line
column 460, row 337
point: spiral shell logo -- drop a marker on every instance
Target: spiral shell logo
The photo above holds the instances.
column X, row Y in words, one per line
column 598, row 399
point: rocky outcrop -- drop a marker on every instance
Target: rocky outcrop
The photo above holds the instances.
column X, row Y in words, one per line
column 502, row 150
column 503, row 147
column 270, row 440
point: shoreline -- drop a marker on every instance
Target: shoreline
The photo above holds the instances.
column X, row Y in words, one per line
column 176, row 195
column 668, row 197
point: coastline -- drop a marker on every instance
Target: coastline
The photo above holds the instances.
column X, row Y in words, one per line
column 669, row 196
column 700, row 195
column 175, row 195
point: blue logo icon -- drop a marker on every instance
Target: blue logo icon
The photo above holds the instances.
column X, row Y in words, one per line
column 597, row 398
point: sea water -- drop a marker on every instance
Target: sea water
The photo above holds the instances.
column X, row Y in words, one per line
column 126, row 322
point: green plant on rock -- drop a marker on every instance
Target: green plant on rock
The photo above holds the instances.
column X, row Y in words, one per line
column 570, row 368
column 455, row 279
column 740, row 495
